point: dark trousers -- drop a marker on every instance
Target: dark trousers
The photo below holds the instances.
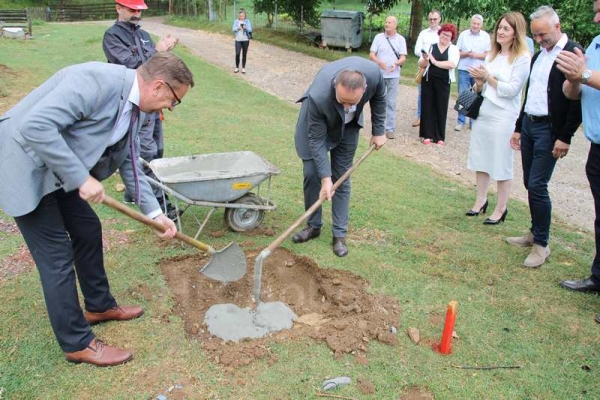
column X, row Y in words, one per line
column 435, row 93
column 592, row 170
column 243, row 48
column 538, row 164
column 341, row 157
column 62, row 232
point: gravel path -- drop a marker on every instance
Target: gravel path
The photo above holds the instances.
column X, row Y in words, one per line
column 287, row 74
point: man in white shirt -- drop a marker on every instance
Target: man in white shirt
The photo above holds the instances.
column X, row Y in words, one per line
column 388, row 51
column 543, row 132
column 474, row 45
column 425, row 40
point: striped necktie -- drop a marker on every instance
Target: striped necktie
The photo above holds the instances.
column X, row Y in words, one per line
column 135, row 116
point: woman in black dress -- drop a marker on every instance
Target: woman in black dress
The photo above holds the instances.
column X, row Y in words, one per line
column 440, row 62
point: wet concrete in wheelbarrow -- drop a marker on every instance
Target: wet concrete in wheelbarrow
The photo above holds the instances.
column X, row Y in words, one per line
column 333, row 306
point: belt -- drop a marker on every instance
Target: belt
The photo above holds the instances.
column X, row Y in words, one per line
column 538, row 118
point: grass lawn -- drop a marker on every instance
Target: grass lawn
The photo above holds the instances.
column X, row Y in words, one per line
column 412, row 242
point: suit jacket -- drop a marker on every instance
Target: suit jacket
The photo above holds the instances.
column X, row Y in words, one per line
column 321, row 125
column 54, row 136
column 564, row 114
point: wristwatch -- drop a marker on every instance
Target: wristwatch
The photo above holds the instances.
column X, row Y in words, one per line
column 586, row 75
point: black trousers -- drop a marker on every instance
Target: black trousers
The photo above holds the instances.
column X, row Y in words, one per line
column 62, row 232
column 592, row 170
column 435, row 93
column 241, row 46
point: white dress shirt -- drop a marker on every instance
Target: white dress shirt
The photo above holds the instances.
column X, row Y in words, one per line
column 537, row 94
column 473, row 42
column 122, row 124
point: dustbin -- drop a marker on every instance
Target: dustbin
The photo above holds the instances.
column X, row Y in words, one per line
column 342, row 28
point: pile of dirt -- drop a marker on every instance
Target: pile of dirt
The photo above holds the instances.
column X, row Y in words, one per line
column 332, row 306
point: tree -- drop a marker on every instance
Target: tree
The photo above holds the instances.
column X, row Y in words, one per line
column 575, row 15
column 376, row 7
column 299, row 10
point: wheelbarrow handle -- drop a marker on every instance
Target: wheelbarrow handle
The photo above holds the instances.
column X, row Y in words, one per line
column 122, row 208
column 319, row 202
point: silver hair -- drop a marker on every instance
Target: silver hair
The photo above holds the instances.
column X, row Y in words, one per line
column 545, row 12
column 477, row 16
column 351, row 79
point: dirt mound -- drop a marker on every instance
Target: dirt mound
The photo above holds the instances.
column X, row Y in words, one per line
column 333, row 306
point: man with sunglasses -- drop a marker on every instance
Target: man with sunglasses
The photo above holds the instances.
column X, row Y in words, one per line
column 125, row 43
column 56, row 146
column 427, row 38
column 329, row 123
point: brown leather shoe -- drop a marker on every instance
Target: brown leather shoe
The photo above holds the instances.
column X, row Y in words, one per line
column 118, row 313
column 100, row 354
column 339, row 247
column 306, row 234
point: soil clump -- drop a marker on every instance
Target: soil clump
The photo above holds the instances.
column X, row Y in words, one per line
column 333, row 306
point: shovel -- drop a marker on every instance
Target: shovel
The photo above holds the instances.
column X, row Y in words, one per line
column 226, row 265
column 267, row 252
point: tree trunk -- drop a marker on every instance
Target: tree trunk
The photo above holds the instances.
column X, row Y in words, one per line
column 416, row 22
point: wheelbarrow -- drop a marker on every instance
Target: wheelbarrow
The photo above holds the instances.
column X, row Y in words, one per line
column 219, row 180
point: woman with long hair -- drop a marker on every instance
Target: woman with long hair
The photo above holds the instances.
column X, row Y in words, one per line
column 440, row 61
column 242, row 29
column 501, row 83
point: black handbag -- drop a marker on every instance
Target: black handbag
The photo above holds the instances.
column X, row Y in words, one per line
column 468, row 103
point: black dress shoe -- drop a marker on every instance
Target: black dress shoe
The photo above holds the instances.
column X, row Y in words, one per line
column 483, row 210
column 584, row 285
column 339, row 247
column 306, row 234
column 489, row 221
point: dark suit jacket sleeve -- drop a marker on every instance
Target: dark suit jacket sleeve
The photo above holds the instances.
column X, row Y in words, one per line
column 573, row 110
column 377, row 104
column 317, row 137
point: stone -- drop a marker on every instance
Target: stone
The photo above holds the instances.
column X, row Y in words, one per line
column 414, row 335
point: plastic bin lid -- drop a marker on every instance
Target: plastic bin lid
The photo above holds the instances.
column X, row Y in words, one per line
column 339, row 14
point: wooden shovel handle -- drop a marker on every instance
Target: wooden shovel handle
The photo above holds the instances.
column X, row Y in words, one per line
column 122, row 208
column 319, row 202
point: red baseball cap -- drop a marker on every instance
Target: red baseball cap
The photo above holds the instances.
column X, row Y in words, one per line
column 133, row 4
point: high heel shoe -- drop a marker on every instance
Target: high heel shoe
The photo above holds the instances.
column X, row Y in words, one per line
column 490, row 221
column 472, row 213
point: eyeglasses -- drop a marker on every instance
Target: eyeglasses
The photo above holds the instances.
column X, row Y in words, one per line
column 177, row 100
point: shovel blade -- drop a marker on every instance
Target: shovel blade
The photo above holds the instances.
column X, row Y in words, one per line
column 226, row 265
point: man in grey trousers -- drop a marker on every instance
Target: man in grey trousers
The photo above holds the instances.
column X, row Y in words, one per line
column 329, row 122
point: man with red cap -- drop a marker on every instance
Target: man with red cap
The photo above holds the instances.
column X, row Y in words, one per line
column 125, row 43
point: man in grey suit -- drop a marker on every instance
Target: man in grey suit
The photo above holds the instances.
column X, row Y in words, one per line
column 329, row 122
column 56, row 145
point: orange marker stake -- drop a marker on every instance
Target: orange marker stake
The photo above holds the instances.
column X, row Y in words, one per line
column 446, row 343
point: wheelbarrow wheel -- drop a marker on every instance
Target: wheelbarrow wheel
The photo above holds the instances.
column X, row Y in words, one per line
column 244, row 219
